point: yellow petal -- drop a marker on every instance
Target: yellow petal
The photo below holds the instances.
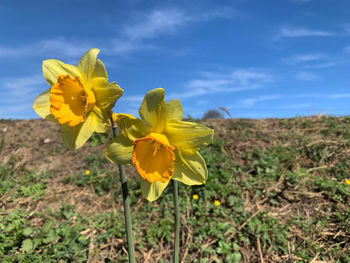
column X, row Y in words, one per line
column 154, row 158
column 120, row 150
column 152, row 110
column 53, row 68
column 174, row 110
column 106, row 93
column 100, row 70
column 152, row 191
column 103, row 119
column 75, row 136
column 41, row 106
column 190, row 169
column 188, row 137
column 87, row 64
column 132, row 127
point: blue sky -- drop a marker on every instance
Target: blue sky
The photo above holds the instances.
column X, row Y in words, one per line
column 274, row 58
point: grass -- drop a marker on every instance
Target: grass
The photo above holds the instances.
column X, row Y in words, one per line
column 282, row 198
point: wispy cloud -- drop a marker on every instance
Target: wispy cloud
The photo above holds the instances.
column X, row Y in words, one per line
column 162, row 22
column 340, row 96
column 300, row 1
column 347, row 49
column 295, row 106
column 133, row 36
column 156, row 23
column 213, row 82
column 17, row 95
column 56, row 47
column 322, row 65
column 252, row 101
column 167, row 21
column 22, row 86
column 292, row 32
column 307, row 76
column 302, row 58
column 317, row 60
column 23, row 110
column 319, row 96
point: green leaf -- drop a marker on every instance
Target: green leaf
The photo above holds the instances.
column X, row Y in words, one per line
column 50, row 237
column 27, row 231
column 27, row 245
column 236, row 257
column 46, row 227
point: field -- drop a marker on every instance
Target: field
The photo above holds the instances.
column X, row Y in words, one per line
column 280, row 183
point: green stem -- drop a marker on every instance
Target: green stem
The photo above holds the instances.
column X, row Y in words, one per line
column 177, row 221
column 126, row 201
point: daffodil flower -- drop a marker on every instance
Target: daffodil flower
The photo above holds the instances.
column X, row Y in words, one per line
column 80, row 97
column 160, row 145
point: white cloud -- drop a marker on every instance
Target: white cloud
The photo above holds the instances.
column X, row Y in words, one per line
column 252, row 101
column 300, row 1
column 162, row 22
column 303, row 32
column 17, row 95
column 167, row 21
column 23, row 110
column 347, row 49
column 340, row 96
column 213, row 82
column 156, row 23
column 295, row 106
column 48, row 47
column 302, row 58
column 322, row 65
column 132, row 37
column 21, row 87
column 321, row 96
column 307, row 76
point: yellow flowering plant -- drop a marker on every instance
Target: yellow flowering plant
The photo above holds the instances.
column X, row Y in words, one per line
column 80, row 98
column 160, row 145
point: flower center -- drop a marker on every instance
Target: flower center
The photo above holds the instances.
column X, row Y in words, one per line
column 154, row 158
column 70, row 101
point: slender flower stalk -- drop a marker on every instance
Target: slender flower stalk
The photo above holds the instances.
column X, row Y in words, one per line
column 126, row 201
column 177, row 221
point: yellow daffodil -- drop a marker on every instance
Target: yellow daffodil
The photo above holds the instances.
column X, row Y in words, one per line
column 80, row 98
column 160, row 145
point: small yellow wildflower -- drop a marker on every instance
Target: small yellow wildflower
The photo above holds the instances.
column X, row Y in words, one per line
column 160, row 145
column 87, row 172
column 217, row 203
column 347, row 181
column 80, row 98
column 195, row 197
